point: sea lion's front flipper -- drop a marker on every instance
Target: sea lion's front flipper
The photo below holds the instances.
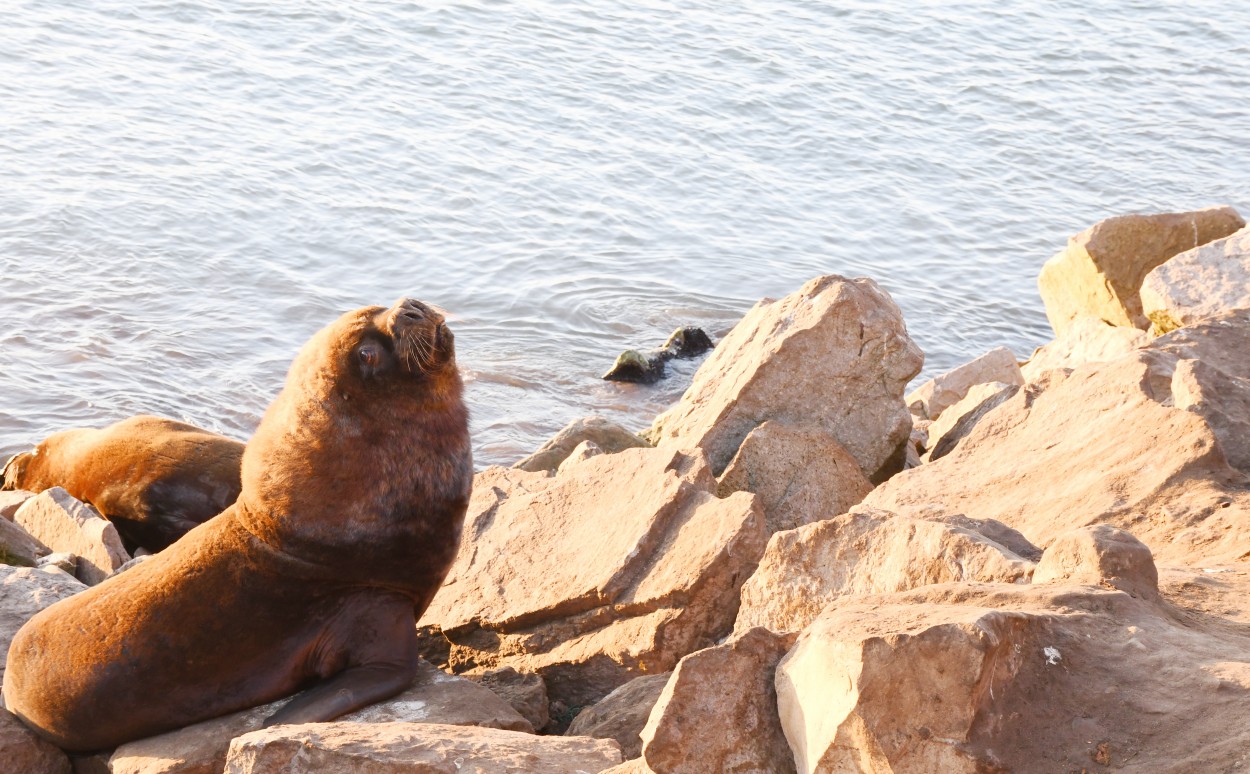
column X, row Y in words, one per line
column 380, row 638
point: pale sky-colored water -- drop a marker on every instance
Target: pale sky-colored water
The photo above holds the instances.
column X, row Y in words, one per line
column 189, row 190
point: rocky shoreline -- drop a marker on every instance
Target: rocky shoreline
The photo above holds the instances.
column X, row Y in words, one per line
column 800, row 568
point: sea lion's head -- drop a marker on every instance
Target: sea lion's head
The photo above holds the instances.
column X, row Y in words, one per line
column 368, row 432
column 14, row 471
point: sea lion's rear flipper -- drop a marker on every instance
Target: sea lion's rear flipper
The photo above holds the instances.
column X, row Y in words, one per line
column 380, row 638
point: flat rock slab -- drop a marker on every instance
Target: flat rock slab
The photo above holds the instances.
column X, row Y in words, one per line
column 834, row 355
column 931, row 399
column 1100, row 272
column 435, row 697
column 63, row 523
column 608, row 436
column 1199, row 283
column 414, row 748
column 617, row 567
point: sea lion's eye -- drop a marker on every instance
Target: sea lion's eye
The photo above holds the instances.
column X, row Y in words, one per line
column 370, row 355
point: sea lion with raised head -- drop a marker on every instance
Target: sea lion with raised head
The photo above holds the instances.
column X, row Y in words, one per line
column 355, row 487
column 154, row 478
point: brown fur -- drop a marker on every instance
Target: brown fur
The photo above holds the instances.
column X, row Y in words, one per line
column 354, row 490
column 154, row 478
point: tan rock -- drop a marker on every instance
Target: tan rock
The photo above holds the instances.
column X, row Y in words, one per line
column 17, row 547
column 608, row 436
column 1199, row 283
column 11, row 500
column 525, row 693
column 435, row 697
column 1220, row 398
column 1100, row 273
column 618, row 567
column 834, row 355
column 865, row 551
column 1085, row 340
column 622, row 714
column 1108, row 444
column 21, row 752
column 25, row 591
column 635, row 766
column 958, row 420
column 63, row 523
column 413, row 748
column 1100, row 555
column 931, row 399
column 962, row 677
column 800, row 474
column 718, row 711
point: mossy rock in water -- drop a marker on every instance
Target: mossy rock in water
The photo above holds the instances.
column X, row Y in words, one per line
column 688, row 341
column 634, row 366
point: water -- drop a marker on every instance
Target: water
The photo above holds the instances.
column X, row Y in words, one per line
column 189, row 189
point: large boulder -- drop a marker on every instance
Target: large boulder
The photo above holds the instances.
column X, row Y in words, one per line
column 834, row 355
column 617, row 567
column 1153, row 442
column 413, row 748
column 866, row 551
column 1199, row 283
column 25, row 591
column 63, row 523
column 931, row 399
column 622, row 714
column 435, row 697
column 968, row 677
column 1100, row 272
column 800, row 475
column 718, row 711
column 608, row 436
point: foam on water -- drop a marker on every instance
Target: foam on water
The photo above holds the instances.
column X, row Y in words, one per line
column 191, row 189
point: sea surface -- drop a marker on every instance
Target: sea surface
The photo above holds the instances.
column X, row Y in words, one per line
column 188, row 190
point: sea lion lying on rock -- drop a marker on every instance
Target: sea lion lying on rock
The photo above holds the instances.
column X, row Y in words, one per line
column 355, row 486
column 154, row 478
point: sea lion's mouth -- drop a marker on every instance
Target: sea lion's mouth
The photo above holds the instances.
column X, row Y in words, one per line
column 422, row 341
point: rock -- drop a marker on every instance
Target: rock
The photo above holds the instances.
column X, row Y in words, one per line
column 866, row 551
column 22, row 751
column 618, row 567
column 1100, row 273
column 525, row 693
column 25, row 591
column 635, row 766
column 135, row 562
column 932, row 398
column 1199, row 283
column 834, row 355
column 1110, row 444
column 687, row 341
column 11, row 500
column 583, row 451
column 413, row 748
column 1085, row 340
column 634, row 366
column 622, row 714
column 1100, row 555
column 800, row 474
column 968, row 677
column 63, row 523
column 718, row 712
column 958, row 420
column 435, row 697
column 608, row 436
column 17, row 547
column 67, row 563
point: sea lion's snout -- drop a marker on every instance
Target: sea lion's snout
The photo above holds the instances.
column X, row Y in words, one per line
column 421, row 337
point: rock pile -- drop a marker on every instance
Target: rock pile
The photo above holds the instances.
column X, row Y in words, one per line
column 766, row 589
